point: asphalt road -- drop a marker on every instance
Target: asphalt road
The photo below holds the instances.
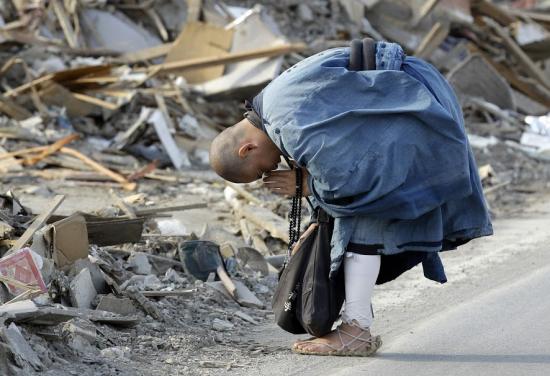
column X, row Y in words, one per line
column 504, row 332
column 491, row 318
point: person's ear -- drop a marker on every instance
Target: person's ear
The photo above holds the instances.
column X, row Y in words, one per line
column 246, row 148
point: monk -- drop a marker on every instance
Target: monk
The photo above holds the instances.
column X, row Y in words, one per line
column 383, row 150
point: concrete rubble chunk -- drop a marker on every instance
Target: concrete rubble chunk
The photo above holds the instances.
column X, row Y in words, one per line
column 111, row 303
column 95, row 272
column 21, row 349
column 246, row 317
column 305, row 13
column 116, row 352
column 80, row 335
column 221, row 325
column 139, row 263
column 246, row 298
column 82, row 290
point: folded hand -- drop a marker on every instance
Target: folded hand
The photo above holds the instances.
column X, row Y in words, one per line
column 283, row 182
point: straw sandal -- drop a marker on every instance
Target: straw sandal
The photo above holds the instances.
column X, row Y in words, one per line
column 358, row 346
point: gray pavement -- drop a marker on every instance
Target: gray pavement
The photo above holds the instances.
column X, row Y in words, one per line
column 503, row 332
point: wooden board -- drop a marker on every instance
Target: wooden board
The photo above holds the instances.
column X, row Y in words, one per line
column 265, row 219
column 198, row 40
column 37, row 224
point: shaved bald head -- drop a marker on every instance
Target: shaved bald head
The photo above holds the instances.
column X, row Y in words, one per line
column 243, row 153
column 224, row 154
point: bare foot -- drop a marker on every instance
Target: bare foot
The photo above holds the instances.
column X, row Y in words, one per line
column 350, row 338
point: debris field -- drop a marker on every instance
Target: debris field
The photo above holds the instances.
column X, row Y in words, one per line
column 121, row 252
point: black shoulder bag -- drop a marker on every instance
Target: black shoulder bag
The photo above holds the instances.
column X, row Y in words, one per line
column 305, row 299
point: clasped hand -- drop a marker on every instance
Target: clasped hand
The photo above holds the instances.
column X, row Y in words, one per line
column 283, row 182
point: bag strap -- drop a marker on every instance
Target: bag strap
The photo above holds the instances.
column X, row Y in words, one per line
column 321, row 216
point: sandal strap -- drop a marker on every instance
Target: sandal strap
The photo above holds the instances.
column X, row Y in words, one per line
column 359, row 338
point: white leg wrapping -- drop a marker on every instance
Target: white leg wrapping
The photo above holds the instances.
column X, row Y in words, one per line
column 360, row 273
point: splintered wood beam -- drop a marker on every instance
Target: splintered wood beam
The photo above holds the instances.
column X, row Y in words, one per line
column 209, row 61
column 530, row 67
column 56, row 146
column 432, row 40
column 37, row 224
column 425, row 9
column 100, row 168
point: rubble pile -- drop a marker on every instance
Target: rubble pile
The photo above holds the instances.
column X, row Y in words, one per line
column 121, row 253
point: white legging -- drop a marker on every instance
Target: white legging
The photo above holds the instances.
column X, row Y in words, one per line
column 360, row 273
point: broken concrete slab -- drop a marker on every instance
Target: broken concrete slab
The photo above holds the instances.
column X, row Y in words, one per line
column 246, row 317
column 139, row 263
column 21, row 349
column 95, row 272
column 82, row 290
column 245, row 297
column 80, row 334
column 28, row 312
column 122, row 306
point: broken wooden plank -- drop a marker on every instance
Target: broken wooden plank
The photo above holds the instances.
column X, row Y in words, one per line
column 161, row 104
column 536, row 92
column 65, row 23
column 244, row 193
column 156, row 210
column 140, row 173
column 265, row 219
column 530, row 67
column 227, row 281
column 432, row 40
column 102, row 169
column 8, row 163
column 12, row 109
column 29, row 161
column 53, row 93
column 193, row 10
column 157, row 21
column 424, row 10
column 127, row 209
column 37, row 224
column 145, row 54
column 121, row 140
column 96, row 101
column 200, row 40
column 494, row 11
column 23, row 152
column 225, row 59
column 20, row 89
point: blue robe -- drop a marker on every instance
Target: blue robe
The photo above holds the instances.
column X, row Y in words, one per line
column 388, row 144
